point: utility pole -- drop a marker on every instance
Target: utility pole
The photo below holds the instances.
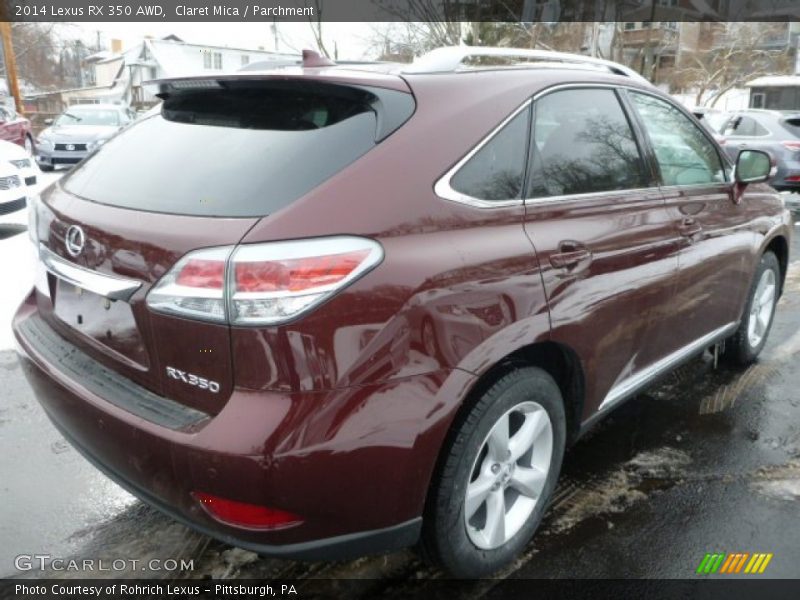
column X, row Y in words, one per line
column 10, row 64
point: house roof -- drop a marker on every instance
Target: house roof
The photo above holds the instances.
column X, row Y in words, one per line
column 178, row 59
column 775, row 81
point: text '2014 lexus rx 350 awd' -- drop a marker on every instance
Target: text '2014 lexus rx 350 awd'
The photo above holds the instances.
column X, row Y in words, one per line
column 324, row 311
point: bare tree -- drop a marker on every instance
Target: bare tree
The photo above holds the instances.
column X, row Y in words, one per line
column 316, row 27
column 741, row 52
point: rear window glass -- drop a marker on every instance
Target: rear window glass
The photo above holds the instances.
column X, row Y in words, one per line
column 792, row 124
column 236, row 153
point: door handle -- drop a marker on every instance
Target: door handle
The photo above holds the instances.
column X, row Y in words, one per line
column 569, row 255
column 689, row 228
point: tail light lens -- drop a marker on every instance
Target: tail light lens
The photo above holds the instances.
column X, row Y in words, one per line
column 242, row 514
column 194, row 287
column 261, row 284
column 792, row 145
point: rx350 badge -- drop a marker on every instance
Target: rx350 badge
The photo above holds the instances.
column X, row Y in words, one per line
column 192, row 379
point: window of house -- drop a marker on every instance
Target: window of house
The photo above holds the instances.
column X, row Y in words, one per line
column 582, row 143
column 497, row 170
column 218, row 60
column 245, row 60
column 684, row 154
column 208, row 61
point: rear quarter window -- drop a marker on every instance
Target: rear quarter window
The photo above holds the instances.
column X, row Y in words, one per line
column 244, row 152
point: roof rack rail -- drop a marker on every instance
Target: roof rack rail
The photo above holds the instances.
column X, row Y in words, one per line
column 450, row 58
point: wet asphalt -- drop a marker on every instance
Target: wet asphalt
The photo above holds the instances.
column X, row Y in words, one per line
column 706, row 461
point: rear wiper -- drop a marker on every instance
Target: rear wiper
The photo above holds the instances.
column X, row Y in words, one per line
column 71, row 116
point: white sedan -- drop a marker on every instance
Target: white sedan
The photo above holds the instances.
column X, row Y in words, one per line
column 19, row 176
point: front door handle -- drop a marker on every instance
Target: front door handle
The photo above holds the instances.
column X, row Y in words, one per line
column 570, row 254
column 689, row 228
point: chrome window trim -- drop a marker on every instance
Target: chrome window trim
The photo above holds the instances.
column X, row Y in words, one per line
column 443, row 189
column 109, row 286
column 638, row 380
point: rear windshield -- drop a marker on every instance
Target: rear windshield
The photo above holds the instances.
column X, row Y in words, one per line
column 792, row 124
column 230, row 152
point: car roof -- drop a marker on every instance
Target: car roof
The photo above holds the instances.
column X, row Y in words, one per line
column 441, row 62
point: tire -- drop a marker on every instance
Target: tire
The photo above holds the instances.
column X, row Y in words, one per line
column 744, row 346
column 30, row 147
column 526, row 395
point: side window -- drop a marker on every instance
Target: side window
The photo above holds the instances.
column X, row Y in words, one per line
column 582, row 143
column 497, row 170
column 684, row 154
column 744, row 126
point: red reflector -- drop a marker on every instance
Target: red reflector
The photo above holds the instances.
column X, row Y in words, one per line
column 296, row 274
column 793, row 178
column 794, row 146
column 200, row 273
column 241, row 514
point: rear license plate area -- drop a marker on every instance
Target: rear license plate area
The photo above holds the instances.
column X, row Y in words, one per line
column 107, row 322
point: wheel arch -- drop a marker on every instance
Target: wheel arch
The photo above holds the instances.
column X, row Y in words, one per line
column 558, row 360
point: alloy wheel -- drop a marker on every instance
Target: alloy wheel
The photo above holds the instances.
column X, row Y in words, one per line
column 508, row 475
column 762, row 308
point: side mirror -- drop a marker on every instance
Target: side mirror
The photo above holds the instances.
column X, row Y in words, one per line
column 753, row 166
column 48, row 121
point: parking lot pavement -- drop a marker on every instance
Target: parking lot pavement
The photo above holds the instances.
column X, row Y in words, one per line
column 706, row 461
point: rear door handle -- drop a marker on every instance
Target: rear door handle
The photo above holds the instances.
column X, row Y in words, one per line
column 689, row 228
column 570, row 254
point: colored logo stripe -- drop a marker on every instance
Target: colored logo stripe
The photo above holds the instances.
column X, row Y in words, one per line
column 734, row 562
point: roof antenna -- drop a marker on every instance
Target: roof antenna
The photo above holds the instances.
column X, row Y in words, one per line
column 315, row 59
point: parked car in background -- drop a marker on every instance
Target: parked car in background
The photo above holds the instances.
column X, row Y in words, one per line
column 18, row 157
column 78, row 131
column 383, row 301
column 16, row 129
column 712, row 119
column 13, row 192
column 773, row 131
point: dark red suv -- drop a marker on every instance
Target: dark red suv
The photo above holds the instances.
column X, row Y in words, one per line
column 322, row 311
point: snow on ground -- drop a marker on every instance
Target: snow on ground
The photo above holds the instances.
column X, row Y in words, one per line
column 17, row 264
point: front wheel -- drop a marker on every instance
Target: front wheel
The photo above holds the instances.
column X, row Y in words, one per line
column 498, row 474
column 748, row 341
column 29, row 146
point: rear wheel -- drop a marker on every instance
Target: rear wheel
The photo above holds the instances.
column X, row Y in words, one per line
column 29, row 147
column 498, row 475
column 748, row 341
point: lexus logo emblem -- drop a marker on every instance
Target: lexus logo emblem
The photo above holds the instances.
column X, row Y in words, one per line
column 70, row 146
column 74, row 240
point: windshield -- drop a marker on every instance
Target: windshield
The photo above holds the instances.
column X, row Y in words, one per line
column 87, row 116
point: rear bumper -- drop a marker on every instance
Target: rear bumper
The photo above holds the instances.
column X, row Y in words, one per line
column 354, row 500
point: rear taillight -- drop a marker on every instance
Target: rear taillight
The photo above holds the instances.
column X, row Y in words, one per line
column 242, row 514
column 260, row 284
column 792, row 145
column 194, row 287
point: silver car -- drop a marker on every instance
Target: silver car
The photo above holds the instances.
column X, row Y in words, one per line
column 77, row 132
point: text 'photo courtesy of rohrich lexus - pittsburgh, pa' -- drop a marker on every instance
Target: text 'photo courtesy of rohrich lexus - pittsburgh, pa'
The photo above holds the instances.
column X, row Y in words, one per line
column 346, row 309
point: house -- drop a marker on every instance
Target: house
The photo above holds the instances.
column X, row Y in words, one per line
column 117, row 75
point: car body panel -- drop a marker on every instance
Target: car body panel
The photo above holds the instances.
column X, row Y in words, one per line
column 14, row 127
